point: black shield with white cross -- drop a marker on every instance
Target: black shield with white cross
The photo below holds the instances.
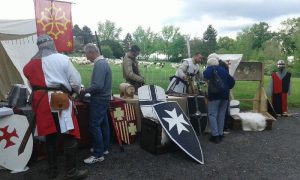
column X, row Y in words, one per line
column 179, row 129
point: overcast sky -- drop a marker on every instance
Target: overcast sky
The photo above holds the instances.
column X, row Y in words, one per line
column 192, row 16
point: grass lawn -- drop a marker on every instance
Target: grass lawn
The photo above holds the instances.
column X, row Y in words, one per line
column 160, row 77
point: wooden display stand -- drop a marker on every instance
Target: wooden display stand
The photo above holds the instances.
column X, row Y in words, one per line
column 182, row 101
column 253, row 71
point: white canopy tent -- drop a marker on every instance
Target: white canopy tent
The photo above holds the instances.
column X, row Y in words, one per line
column 17, row 46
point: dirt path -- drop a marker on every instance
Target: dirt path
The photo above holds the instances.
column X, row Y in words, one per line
column 270, row 155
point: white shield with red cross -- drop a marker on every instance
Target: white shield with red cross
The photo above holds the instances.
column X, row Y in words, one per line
column 12, row 131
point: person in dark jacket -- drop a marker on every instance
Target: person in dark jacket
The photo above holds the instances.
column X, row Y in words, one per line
column 225, row 66
column 217, row 102
column 100, row 90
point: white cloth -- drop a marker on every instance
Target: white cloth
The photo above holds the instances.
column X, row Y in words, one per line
column 58, row 70
column 253, row 121
column 65, row 116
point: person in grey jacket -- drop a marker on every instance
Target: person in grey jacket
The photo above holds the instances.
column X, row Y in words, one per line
column 100, row 90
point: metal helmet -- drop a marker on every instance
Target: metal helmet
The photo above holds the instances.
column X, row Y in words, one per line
column 43, row 38
column 46, row 46
column 280, row 64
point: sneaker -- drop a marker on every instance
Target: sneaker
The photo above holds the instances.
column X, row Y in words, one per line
column 92, row 160
column 106, row 152
column 226, row 132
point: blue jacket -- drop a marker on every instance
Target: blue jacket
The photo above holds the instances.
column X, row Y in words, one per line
column 226, row 78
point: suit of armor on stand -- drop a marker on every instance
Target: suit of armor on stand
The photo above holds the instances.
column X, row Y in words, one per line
column 280, row 88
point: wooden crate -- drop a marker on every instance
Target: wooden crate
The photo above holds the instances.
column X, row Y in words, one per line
column 253, row 71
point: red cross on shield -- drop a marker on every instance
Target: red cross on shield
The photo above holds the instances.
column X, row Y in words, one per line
column 12, row 131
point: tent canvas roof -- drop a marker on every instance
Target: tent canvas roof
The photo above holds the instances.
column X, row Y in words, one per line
column 18, row 45
column 16, row 29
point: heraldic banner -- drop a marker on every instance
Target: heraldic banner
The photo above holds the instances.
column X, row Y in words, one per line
column 124, row 118
column 54, row 18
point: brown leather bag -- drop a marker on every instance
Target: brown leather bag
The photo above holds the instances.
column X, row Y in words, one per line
column 59, row 101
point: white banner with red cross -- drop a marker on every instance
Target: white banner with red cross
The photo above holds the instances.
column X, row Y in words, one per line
column 232, row 60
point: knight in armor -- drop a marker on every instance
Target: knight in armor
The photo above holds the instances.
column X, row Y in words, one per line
column 186, row 75
column 49, row 72
column 280, row 88
column 131, row 72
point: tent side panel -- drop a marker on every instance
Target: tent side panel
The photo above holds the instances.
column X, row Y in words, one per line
column 9, row 75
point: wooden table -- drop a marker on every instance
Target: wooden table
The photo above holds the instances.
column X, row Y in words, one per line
column 182, row 101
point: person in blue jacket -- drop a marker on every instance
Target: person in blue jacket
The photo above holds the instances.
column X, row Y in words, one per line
column 217, row 102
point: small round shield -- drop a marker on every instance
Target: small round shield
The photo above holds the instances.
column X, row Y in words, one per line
column 12, row 131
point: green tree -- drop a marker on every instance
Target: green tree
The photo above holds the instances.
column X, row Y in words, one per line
column 107, row 52
column 272, row 50
column 296, row 69
column 78, row 40
column 196, row 45
column 78, row 46
column 226, row 45
column 87, row 35
column 260, row 34
column 178, row 48
column 250, row 42
column 209, row 41
column 297, row 44
column 115, row 46
column 244, row 44
column 108, row 31
column 77, row 32
column 168, row 34
column 145, row 39
column 288, row 35
column 127, row 42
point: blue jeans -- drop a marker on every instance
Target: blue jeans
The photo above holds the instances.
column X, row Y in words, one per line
column 99, row 127
column 216, row 115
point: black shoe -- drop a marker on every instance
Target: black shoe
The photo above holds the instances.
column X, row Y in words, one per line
column 221, row 137
column 75, row 174
column 214, row 139
column 52, row 172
